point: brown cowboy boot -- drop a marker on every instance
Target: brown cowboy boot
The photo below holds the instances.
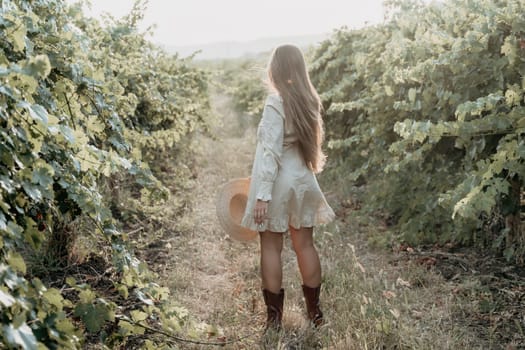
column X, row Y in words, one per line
column 274, row 307
column 311, row 297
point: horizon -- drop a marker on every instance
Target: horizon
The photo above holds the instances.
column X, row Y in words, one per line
column 241, row 41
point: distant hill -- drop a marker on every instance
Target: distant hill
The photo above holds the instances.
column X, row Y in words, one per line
column 236, row 49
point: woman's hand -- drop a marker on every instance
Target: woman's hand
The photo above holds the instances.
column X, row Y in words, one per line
column 260, row 211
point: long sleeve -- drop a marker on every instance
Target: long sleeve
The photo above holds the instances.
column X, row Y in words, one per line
column 270, row 136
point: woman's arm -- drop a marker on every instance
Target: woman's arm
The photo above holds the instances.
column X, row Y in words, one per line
column 270, row 134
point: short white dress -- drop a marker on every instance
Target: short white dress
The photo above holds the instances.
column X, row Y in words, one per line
column 280, row 175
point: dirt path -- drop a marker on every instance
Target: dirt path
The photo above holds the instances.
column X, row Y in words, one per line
column 214, row 277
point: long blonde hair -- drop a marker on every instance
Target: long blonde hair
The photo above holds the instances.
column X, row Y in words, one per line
column 302, row 106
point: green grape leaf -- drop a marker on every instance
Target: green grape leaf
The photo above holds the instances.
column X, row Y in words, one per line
column 8, row 91
column 509, row 48
column 32, row 235
column 7, row 184
column 3, row 221
column 87, row 159
column 6, row 299
column 43, row 175
column 17, row 37
column 127, row 328
column 22, row 336
column 138, row 316
column 36, row 112
column 37, row 143
column 65, row 326
column 71, row 281
column 38, row 66
column 32, row 191
column 95, row 124
column 123, row 291
column 67, row 133
column 87, row 296
column 53, row 297
column 16, row 261
column 93, row 316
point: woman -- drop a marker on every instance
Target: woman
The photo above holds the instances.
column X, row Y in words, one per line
column 284, row 194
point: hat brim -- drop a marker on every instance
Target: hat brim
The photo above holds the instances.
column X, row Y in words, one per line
column 230, row 207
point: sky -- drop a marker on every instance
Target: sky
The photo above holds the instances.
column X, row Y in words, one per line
column 193, row 22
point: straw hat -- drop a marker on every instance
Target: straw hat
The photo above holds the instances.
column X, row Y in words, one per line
column 230, row 205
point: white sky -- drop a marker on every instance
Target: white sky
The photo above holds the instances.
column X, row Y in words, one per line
column 190, row 22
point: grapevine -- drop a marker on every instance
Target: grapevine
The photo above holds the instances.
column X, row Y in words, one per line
column 84, row 108
column 427, row 111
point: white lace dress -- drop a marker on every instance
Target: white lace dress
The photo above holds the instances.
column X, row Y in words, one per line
column 280, row 175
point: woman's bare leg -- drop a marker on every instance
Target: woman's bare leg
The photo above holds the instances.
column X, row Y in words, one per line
column 307, row 257
column 271, row 268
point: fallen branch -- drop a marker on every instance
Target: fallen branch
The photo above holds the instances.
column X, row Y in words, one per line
column 184, row 340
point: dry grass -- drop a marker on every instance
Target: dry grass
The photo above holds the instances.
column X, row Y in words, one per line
column 371, row 299
column 379, row 305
